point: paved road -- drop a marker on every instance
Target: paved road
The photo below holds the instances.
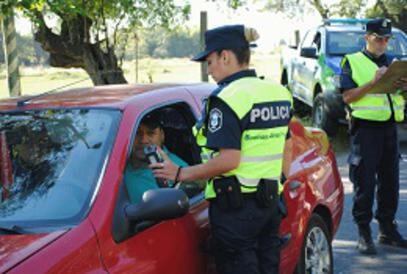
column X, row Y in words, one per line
column 389, row 260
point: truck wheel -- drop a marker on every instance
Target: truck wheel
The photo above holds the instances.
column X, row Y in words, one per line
column 301, row 109
column 320, row 117
column 284, row 79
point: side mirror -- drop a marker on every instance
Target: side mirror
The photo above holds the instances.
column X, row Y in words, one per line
column 308, row 52
column 158, row 205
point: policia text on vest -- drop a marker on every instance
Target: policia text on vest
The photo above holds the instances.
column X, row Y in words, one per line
column 264, row 118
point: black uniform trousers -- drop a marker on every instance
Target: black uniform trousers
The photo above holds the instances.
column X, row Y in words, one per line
column 246, row 240
column 374, row 164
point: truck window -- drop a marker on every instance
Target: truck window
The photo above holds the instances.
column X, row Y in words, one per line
column 317, row 41
column 341, row 43
column 308, row 40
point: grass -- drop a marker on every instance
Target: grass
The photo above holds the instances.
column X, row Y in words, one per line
column 35, row 80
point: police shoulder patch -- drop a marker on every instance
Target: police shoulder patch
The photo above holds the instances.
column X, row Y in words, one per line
column 215, row 120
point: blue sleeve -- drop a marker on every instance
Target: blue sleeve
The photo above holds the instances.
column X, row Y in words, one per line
column 346, row 78
column 223, row 126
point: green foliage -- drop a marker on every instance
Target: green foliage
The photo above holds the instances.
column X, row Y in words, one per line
column 396, row 10
column 292, row 8
column 348, row 8
column 163, row 43
column 134, row 12
column 159, row 42
column 90, row 33
column 183, row 44
column 105, row 17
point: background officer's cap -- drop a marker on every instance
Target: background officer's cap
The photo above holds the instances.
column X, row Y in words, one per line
column 226, row 37
column 380, row 26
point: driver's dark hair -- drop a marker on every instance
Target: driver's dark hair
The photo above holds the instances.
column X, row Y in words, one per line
column 152, row 120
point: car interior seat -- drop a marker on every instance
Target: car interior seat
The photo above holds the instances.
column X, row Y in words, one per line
column 179, row 138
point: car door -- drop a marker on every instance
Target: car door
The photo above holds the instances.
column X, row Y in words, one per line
column 172, row 246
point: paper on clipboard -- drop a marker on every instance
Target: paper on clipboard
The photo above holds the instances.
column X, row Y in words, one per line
column 395, row 71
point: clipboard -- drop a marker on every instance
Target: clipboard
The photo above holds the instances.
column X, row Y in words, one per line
column 395, row 71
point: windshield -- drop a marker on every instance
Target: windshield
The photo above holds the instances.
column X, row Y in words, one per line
column 341, row 43
column 50, row 162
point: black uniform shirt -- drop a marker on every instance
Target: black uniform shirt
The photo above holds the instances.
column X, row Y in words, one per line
column 223, row 126
column 348, row 83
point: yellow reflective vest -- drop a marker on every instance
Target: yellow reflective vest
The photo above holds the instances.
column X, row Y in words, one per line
column 373, row 107
column 265, row 109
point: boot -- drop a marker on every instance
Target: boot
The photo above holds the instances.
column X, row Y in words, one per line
column 365, row 243
column 389, row 235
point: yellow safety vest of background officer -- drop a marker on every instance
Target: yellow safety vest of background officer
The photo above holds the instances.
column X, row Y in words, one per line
column 374, row 157
column 243, row 132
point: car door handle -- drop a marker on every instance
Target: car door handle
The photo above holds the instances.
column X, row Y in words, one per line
column 294, row 185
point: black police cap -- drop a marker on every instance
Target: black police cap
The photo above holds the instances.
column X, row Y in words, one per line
column 225, row 37
column 380, row 26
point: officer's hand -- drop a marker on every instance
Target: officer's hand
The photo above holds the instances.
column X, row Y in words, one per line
column 401, row 83
column 165, row 170
column 379, row 73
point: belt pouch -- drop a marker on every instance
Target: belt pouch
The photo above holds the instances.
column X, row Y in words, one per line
column 267, row 192
column 228, row 193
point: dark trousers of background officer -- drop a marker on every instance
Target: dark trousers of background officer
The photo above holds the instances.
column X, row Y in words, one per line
column 246, row 240
column 374, row 162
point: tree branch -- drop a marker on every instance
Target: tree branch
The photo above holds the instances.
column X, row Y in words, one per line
column 320, row 8
column 102, row 13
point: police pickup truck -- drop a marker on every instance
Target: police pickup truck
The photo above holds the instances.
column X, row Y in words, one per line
column 311, row 71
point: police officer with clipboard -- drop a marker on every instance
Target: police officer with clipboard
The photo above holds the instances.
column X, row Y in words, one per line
column 242, row 135
column 374, row 156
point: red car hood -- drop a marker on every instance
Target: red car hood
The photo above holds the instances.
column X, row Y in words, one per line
column 16, row 248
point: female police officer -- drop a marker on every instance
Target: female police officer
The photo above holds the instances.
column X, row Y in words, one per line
column 243, row 131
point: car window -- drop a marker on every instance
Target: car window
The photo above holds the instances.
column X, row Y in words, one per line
column 341, row 43
column 50, row 163
column 170, row 128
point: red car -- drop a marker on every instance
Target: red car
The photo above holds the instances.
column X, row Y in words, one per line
column 64, row 206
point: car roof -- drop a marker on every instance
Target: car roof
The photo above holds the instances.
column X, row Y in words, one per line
column 108, row 96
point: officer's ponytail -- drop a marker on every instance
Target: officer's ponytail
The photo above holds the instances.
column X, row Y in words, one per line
column 251, row 34
column 243, row 54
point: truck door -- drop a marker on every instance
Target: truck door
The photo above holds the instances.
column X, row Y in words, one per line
column 308, row 68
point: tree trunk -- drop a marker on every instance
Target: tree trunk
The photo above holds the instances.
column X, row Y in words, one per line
column 71, row 49
column 102, row 67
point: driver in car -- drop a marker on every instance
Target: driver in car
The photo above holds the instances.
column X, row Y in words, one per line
column 138, row 177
